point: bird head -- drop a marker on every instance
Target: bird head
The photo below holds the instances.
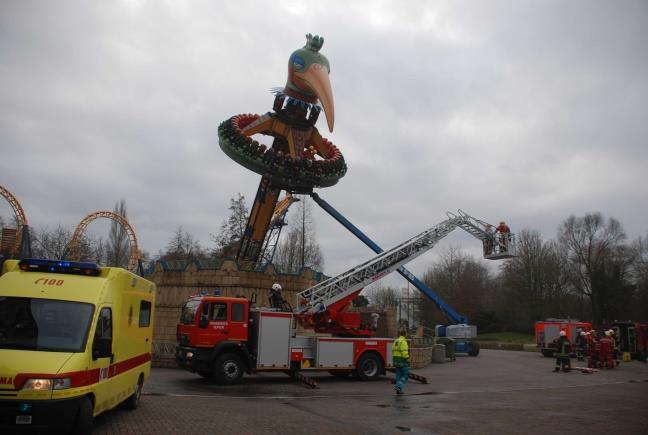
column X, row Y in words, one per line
column 308, row 77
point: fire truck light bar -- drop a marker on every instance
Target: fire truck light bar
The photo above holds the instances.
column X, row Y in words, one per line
column 55, row 266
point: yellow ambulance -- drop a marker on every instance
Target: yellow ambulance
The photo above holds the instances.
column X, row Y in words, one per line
column 75, row 341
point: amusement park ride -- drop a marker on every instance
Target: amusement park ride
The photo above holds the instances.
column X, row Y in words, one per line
column 16, row 242
column 298, row 161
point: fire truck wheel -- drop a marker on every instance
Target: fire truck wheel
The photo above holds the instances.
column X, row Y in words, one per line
column 228, row 369
column 83, row 423
column 369, row 367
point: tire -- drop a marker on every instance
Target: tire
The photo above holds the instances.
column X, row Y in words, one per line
column 369, row 367
column 228, row 369
column 83, row 421
column 474, row 348
column 133, row 401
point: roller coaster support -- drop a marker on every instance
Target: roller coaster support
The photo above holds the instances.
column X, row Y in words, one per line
column 25, row 250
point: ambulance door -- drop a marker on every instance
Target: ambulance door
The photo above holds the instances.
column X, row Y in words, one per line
column 102, row 358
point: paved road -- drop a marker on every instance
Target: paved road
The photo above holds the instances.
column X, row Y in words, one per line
column 499, row 392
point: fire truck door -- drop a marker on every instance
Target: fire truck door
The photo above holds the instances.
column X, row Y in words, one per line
column 238, row 325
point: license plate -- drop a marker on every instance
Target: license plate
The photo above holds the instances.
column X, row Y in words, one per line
column 23, row 419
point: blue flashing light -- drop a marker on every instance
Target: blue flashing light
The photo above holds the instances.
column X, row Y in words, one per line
column 56, row 266
column 24, row 407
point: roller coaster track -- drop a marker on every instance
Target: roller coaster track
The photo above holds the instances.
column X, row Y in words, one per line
column 73, row 246
column 21, row 220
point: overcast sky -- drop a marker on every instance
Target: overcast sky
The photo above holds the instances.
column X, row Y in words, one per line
column 515, row 110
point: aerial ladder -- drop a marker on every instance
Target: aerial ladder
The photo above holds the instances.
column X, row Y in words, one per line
column 323, row 307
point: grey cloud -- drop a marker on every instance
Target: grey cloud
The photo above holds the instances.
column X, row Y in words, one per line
column 520, row 110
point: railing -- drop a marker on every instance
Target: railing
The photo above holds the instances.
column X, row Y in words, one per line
column 163, row 348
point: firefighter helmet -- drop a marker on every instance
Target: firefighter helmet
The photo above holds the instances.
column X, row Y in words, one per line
column 276, row 287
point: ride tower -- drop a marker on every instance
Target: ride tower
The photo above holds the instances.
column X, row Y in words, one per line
column 299, row 158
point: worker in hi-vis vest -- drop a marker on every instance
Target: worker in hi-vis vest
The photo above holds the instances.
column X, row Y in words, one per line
column 400, row 357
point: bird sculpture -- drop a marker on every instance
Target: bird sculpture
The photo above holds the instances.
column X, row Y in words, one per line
column 299, row 158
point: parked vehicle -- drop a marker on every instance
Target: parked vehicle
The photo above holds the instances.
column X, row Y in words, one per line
column 548, row 331
column 75, row 341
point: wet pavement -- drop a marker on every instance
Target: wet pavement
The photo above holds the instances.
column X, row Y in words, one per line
column 499, row 392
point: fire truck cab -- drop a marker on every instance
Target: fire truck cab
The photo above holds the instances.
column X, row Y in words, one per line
column 222, row 337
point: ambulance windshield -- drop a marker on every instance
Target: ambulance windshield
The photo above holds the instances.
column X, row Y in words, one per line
column 44, row 324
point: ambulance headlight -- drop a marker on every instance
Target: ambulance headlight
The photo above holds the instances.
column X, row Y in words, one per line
column 36, row 384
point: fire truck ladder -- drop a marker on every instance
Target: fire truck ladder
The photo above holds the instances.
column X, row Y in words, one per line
column 315, row 299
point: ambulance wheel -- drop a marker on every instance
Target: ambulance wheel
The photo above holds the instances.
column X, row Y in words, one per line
column 83, row 423
column 228, row 369
column 369, row 367
column 133, row 401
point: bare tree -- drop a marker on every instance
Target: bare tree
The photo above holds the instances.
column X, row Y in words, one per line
column 461, row 281
column 382, row 297
column 299, row 248
column 54, row 244
column 595, row 257
column 640, row 278
column 535, row 281
column 51, row 244
column 183, row 246
column 232, row 229
column 118, row 247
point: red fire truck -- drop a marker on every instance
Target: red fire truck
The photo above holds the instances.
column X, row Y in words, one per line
column 633, row 338
column 223, row 337
column 548, row 331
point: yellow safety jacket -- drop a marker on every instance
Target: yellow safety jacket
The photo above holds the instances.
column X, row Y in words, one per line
column 400, row 349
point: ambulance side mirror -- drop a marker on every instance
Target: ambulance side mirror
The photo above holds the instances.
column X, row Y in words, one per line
column 101, row 348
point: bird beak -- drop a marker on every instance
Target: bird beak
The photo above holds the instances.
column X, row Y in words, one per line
column 316, row 77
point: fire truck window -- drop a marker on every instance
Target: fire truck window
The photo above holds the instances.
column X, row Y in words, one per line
column 219, row 312
column 238, row 311
column 104, row 324
column 145, row 314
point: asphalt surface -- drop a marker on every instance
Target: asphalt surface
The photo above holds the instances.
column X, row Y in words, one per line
column 499, row 392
